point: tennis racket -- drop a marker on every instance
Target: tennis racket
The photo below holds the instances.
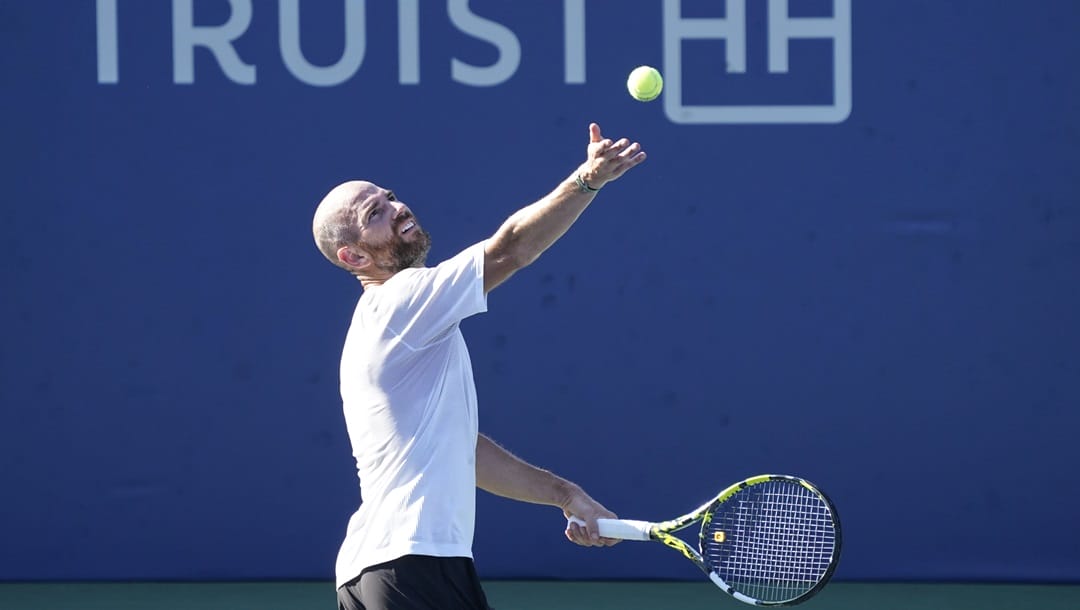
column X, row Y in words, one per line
column 770, row 540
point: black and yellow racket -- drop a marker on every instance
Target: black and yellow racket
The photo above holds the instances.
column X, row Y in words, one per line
column 771, row 540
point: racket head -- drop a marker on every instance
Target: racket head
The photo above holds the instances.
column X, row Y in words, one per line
column 771, row 540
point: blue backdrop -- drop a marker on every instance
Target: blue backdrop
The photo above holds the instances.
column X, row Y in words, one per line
column 852, row 254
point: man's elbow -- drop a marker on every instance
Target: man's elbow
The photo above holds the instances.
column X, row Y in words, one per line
column 509, row 255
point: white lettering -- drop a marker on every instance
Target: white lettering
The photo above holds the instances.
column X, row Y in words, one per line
column 574, row 34
column 732, row 30
column 497, row 34
column 322, row 76
column 219, row 41
column 782, row 29
column 186, row 36
column 108, row 70
column 408, row 42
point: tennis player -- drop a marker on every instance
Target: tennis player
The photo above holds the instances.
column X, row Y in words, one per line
column 408, row 392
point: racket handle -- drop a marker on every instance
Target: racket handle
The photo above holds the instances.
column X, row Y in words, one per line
column 622, row 529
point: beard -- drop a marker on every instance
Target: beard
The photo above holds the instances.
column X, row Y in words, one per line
column 404, row 254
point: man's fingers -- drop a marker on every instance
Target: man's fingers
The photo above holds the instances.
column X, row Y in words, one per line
column 593, row 531
column 624, row 163
column 570, row 532
column 606, row 149
column 588, row 534
column 617, row 147
column 580, row 535
column 607, row 159
column 576, row 534
column 629, row 151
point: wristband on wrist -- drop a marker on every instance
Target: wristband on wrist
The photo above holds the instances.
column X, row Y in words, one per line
column 583, row 186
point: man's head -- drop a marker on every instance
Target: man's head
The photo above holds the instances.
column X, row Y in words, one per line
column 364, row 229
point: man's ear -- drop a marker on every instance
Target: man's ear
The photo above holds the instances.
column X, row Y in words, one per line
column 354, row 258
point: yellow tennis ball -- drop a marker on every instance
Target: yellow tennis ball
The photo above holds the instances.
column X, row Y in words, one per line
column 645, row 83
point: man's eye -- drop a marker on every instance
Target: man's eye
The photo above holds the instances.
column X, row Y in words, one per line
column 372, row 214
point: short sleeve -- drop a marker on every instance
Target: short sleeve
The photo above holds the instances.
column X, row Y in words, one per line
column 433, row 300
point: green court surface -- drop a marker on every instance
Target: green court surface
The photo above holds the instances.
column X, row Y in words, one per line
column 530, row 595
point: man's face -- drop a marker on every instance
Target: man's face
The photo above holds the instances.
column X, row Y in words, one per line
column 390, row 232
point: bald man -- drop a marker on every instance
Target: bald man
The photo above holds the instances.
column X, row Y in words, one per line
column 408, row 392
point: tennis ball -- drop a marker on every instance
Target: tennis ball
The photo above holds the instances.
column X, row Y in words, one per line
column 645, row 83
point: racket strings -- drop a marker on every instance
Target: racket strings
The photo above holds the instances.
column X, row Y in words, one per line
column 773, row 541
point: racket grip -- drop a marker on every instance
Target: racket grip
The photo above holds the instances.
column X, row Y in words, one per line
column 622, row 529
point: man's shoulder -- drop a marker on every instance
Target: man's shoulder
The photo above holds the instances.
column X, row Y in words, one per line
column 409, row 285
column 471, row 258
column 466, row 256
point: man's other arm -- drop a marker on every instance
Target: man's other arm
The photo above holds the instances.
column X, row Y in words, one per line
column 530, row 231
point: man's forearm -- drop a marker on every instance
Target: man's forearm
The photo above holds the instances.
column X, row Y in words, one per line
column 523, row 237
column 503, row 474
column 527, row 233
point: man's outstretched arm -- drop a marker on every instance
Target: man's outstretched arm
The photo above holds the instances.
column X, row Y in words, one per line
column 503, row 474
column 532, row 229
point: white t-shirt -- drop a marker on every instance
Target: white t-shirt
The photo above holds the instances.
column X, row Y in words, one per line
column 410, row 408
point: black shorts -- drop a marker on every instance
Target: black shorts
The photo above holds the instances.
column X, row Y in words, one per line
column 415, row 582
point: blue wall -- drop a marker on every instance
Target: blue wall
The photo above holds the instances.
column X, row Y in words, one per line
column 882, row 299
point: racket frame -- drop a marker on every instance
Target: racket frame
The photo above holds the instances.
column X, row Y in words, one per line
column 662, row 532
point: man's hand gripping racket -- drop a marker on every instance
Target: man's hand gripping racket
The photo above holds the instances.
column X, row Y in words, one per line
column 770, row 540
